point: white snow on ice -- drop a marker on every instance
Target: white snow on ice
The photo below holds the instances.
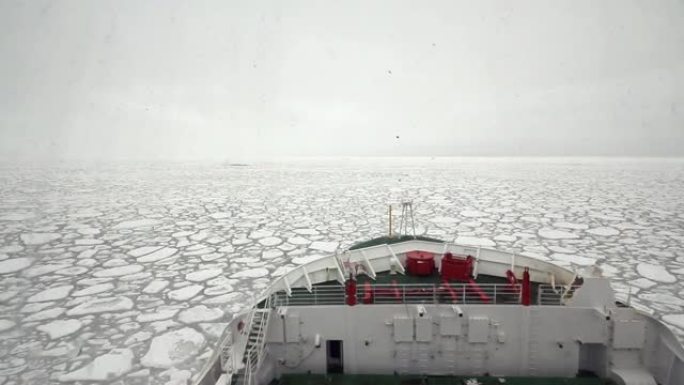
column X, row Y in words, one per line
column 60, row 328
column 105, row 367
column 173, row 348
column 556, row 234
column 655, row 272
column 14, row 264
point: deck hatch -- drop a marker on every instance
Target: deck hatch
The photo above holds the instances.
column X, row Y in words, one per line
column 403, row 329
column 449, row 325
column 478, row 329
column 424, row 329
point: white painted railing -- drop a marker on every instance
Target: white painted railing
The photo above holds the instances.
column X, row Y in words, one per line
column 453, row 293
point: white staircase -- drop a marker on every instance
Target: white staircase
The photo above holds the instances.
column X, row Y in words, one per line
column 254, row 350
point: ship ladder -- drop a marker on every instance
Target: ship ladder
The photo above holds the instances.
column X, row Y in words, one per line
column 256, row 340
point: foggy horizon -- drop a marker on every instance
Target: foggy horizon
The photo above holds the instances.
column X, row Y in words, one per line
column 235, row 81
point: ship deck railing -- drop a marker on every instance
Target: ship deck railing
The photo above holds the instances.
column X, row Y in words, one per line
column 410, row 293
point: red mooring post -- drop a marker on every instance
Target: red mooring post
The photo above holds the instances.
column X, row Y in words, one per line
column 526, row 292
column 350, row 291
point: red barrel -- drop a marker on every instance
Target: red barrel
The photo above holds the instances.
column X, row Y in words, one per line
column 420, row 263
column 460, row 269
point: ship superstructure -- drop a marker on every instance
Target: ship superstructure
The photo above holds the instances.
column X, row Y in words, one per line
column 406, row 309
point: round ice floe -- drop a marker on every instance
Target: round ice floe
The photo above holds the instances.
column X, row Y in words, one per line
column 556, row 234
column 95, row 289
column 159, row 314
column 38, row 270
column 18, row 216
column 252, row 273
column 6, row 324
column 642, row 283
column 103, row 368
column 115, row 262
column 38, row 238
column 88, row 242
column 655, row 272
column 88, row 231
column 535, row 255
column 246, row 260
column 118, row 271
column 155, row 286
column 668, row 299
column 136, row 224
column 570, row 225
column 138, row 337
column 218, row 290
column 305, row 259
column 675, row 319
column 11, row 249
column 9, row 294
column 102, row 305
column 87, row 254
column 270, row 241
column 144, row 250
column 444, row 220
column 505, row 238
column 604, row 231
column 158, row 255
column 220, row 215
column 60, row 328
column 172, row 348
column 473, row 213
column 72, row 271
column 474, row 241
column 306, row 231
column 203, row 275
column 45, row 314
column 258, row 234
column 51, row 294
column 185, row 293
column 14, row 264
column 324, row 246
column 576, row 259
column 223, row 299
column 200, row 313
column 271, row 254
column 298, row 241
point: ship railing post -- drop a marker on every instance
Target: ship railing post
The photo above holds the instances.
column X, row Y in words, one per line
column 539, row 294
column 495, row 293
column 434, row 293
column 464, row 293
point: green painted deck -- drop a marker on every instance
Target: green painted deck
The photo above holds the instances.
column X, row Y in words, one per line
column 346, row 379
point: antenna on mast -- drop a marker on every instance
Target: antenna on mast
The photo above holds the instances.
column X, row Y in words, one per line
column 406, row 211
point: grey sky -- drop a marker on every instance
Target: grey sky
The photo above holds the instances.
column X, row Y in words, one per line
column 228, row 79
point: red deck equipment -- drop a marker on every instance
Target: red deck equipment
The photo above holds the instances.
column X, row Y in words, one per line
column 450, row 290
column 526, row 291
column 457, row 268
column 367, row 293
column 474, row 287
column 420, row 263
column 512, row 282
column 350, row 291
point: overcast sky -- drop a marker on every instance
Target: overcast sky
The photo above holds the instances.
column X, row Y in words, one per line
column 232, row 79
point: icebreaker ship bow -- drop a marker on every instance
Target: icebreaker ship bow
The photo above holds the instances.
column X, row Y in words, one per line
column 403, row 308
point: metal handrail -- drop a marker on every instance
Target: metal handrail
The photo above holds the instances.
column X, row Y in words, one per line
column 464, row 293
column 555, row 295
column 254, row 356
